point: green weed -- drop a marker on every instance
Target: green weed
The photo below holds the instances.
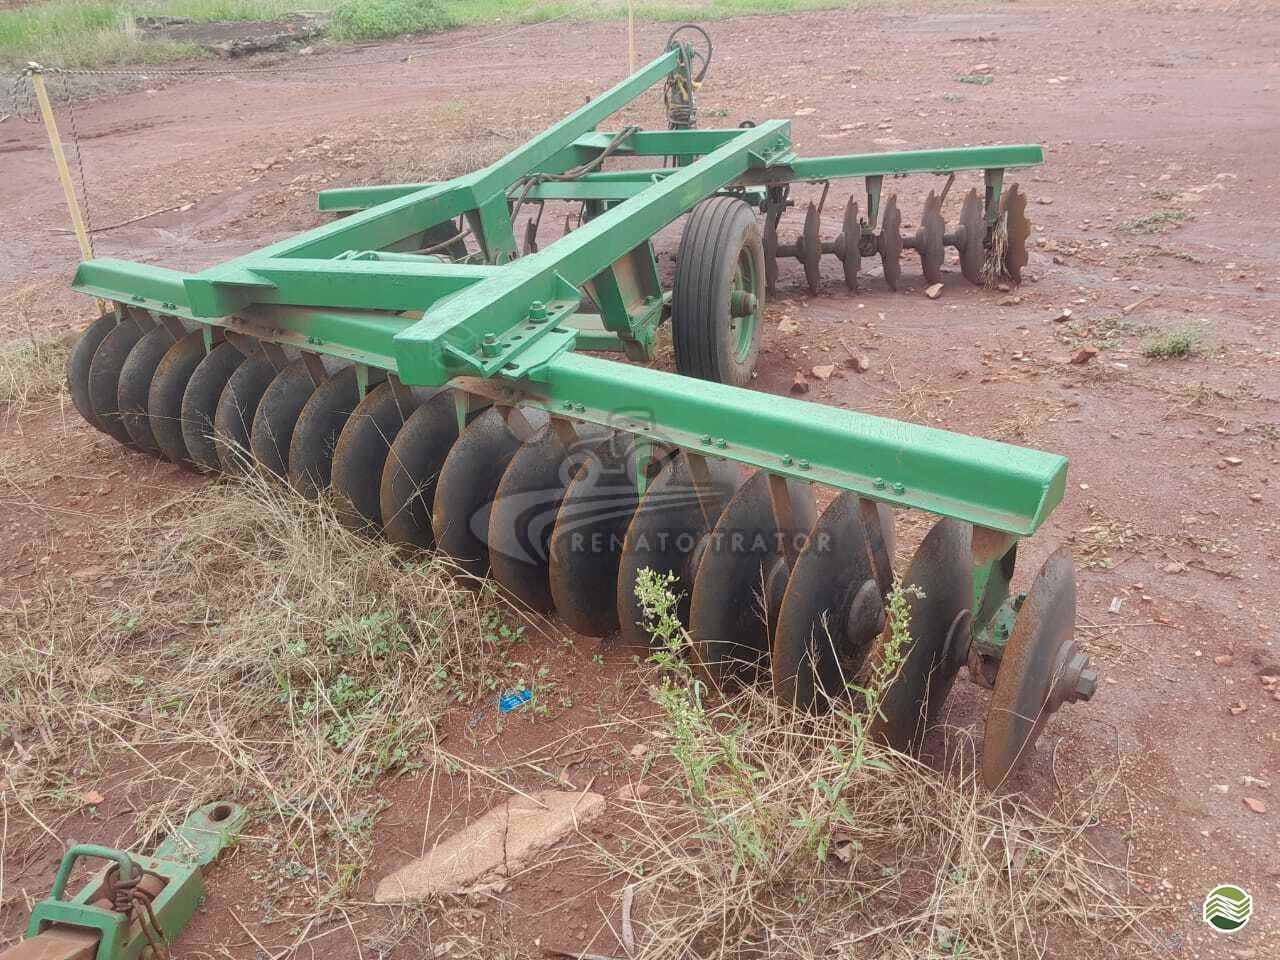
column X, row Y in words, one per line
column 1157, row 222
column 1177, row 345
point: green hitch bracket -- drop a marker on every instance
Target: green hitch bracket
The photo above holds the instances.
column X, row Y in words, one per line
column 89, row 925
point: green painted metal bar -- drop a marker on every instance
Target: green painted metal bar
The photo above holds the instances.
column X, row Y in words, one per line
column 997, row 485
column 358, row 284
column 501, row 302
column 663, row 143
column 909, row 161
column 587, row 190
column 495, row 178
column 670, row 144
column 138, row 284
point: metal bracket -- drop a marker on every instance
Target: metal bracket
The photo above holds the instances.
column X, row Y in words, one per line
column 89, row 925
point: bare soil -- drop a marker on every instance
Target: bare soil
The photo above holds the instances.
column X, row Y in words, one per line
column 1154, row 213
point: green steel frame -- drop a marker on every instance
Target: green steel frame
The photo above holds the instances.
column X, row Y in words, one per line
column 364, row 288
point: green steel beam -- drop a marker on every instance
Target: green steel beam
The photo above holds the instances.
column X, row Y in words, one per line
column 355, row 284
column 137, row 284
column 992, row 484
column 501, row 302
column 699, row 142
column 898, row 164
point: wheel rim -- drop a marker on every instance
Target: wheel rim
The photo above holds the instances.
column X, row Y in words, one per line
column 744, row 305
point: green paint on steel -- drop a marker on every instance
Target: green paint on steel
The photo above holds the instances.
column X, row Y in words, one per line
column 992, row 484
column 177, row 862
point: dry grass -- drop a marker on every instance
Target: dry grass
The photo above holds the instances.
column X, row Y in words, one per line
column 254, row 650
column 778, row 834
column 33, row 359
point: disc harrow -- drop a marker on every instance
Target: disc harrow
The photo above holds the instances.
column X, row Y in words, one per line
column 446, row 401
column 982, row 258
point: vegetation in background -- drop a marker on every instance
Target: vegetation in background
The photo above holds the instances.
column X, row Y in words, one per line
column 88, row 33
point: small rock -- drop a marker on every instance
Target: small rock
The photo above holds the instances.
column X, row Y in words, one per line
column 1220, row 788
column 800, row 384
column 824, row 371
column 1044, row 201
column 1116, row 604
column 1254, row 804
column 933, row 291
column 1084, row 355
column 1232, row 461
column 1175, row 567
column 1255, row 782
column 1062, row 315
column 1238, row 708
column 1224, row 660
column 1255, row 497
column 92, row 798
column 1008, row 301
column 639, row 750
column 787, row 325
column 859, row 363
column 981, row 68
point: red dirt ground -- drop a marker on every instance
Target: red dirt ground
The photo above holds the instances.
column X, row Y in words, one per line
column 1143, row 109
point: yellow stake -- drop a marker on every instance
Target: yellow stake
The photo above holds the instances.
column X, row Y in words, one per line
column 631, row 34
column 60, row 160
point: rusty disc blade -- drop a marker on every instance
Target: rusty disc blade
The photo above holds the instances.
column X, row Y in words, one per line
column 164, row 399
column 812, row 243
column 666, row 535
column 361, row 454
column 818, row 648
column 1039, row 647
column 464, row 494
column 104, row 376
column 200, row 403
column 79, row 363
column 769, row 240
column 524, row 512
column 851, row 259
column 938, row 625
column 889, row 241
column 276, row 416
column 586, row 543
column 740, row 579
column 315, row 436
column 408, row 486
column 1014, row 203
column 233, row 420
column 135, row 385
column 973, row 232
column 931, row 244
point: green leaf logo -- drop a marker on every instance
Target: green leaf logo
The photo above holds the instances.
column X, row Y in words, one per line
column 1227, row 908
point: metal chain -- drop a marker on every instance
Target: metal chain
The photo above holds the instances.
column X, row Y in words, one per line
column 84, row 182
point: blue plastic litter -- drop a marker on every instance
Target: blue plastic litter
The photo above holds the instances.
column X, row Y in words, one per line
column 510, row 701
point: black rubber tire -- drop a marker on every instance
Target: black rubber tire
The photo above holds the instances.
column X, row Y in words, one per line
column 720, row 235
column 78, row 365
column 200, row 403
column 135, row 386
column 233, row 420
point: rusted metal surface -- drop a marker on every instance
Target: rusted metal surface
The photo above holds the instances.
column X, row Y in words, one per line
column 1042, row 668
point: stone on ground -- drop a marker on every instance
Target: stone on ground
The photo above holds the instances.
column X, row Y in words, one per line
column 501, row 842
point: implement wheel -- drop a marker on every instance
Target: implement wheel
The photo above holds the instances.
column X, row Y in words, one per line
column 717, row 299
